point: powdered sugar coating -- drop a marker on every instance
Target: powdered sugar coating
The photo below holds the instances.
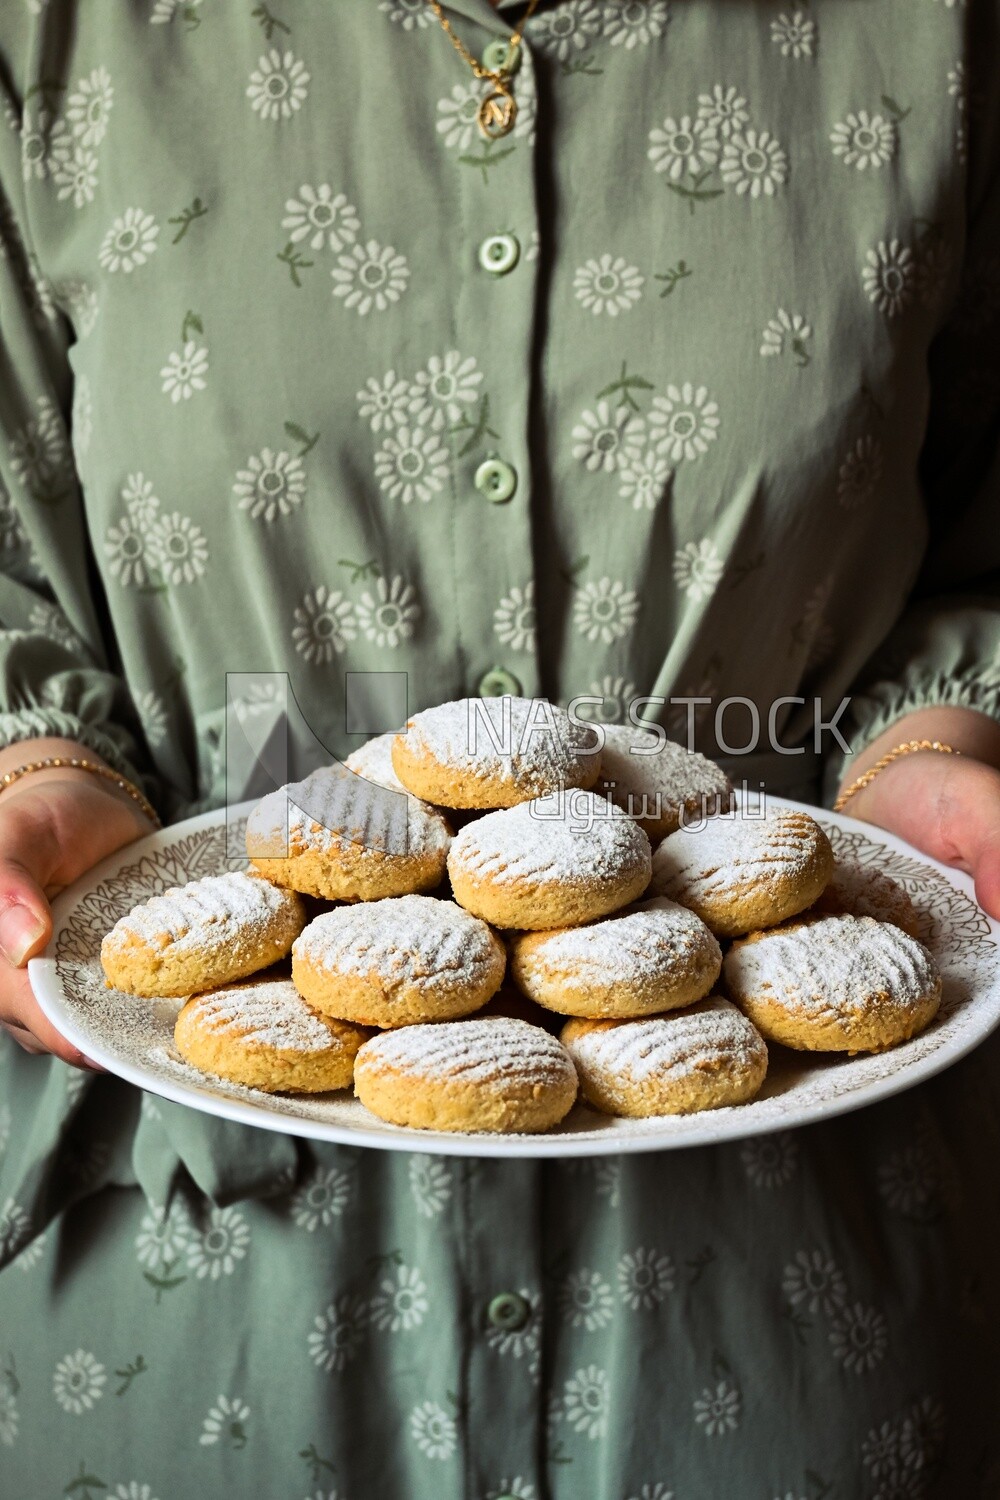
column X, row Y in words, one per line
column 232, row 910
column 654, row 780
column 335, row 808
column 529, row 745
column 866, row 892
column 265, row 1013
column 589, row 842
column 402, row 942
column 829, row 967
column 724, row 855
column 474, row 1051
column 672, row 1046
column 630, row 947
column 802, row 1088
column 373, row 761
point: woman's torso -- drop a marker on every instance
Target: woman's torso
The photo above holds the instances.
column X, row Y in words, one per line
column 736, row 233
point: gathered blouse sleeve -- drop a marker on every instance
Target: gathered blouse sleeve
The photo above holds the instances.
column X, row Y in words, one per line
column 57, row 672
column 945, row 647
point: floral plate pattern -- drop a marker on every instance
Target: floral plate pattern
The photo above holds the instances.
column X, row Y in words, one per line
column 134, row 1037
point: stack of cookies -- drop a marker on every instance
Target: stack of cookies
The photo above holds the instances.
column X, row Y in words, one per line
column 491, row 912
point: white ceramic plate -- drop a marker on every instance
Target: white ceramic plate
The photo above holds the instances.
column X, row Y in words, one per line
column 134, row 1038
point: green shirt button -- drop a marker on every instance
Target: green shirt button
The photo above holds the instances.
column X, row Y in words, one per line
column 496, row 480
column 509, row 1311
column 497, row 55
column 499, row 253
column 497, row 683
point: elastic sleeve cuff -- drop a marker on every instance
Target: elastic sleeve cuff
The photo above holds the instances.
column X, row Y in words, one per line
column 106, row 740
column 885, row 702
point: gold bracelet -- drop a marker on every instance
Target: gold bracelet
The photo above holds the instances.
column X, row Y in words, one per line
column 78, row 764
column 907, row 748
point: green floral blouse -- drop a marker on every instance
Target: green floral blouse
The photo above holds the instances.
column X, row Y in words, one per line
column 685, row 391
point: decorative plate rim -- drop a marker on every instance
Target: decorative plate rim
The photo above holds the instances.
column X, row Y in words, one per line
column 49, row 973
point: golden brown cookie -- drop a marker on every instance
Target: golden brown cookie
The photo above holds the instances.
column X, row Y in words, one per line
column 658, row 782
column 551, row 862
column 398, row 961
column 197, row 936
column 488, row 1073
column 705, row 1057
column 264, row 1035
column 742, row 872
column 864, row 891
column 834, row 984
column 342, row 837
column 650, row 957
column 493, row 752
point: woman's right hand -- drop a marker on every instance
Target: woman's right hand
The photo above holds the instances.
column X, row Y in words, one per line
column 54, row 825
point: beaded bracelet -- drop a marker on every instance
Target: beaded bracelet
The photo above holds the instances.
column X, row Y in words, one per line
column 907, row 748
column 78, row 764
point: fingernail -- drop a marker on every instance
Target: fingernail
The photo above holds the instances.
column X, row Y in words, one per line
column 20, row 930
column 90, row 1064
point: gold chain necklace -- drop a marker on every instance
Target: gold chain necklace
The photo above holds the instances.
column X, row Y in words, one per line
column 498, row 110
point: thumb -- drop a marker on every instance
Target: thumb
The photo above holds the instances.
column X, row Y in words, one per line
column 979, row 835
column 987, row 877
column 25, row 919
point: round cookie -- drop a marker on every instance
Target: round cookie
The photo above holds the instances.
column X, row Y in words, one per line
column 341, row 837
column 523, row 867
column 490, row 1073
column 741, row 873
column 197, row 936
column 651, row 957
column 659, row 784
column 263, row 1034
column 834, row 984
column 705, row 1057
column 494, row 752
column 866, row 892
column 397, row 962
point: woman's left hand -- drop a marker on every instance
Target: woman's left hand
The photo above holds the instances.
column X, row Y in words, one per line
column 946, row 805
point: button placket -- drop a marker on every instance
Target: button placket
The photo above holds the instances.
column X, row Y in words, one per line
column 494, row 317
column 504, row 1334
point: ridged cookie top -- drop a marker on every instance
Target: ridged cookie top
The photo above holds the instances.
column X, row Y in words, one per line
column 832, row 965
column 866, row 892
column 474, row 1051
column 334, row 807
column 403, row 941
column 528, row 744
column 215, row 910
column 728, row 853
column 668, row 1046
column 590, row 842
column 628, row 947
column 669, row 775
column 373, row 761
column 267, row 1013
